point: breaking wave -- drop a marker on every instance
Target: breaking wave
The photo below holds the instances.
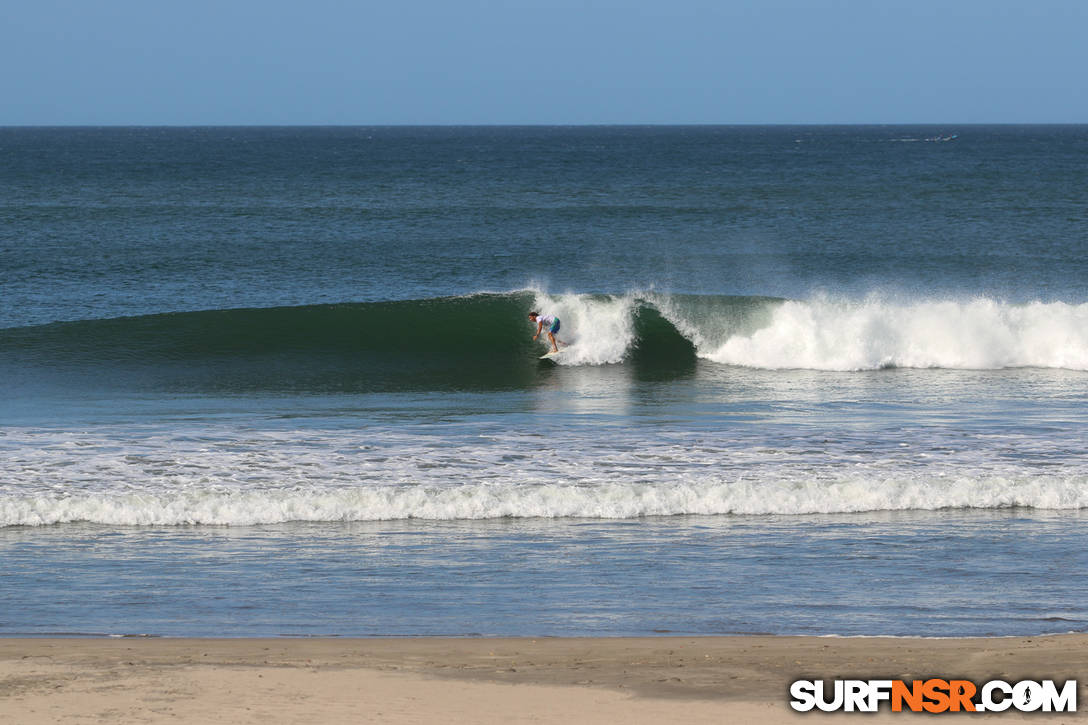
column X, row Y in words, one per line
column 487, row 501
column 483, row 340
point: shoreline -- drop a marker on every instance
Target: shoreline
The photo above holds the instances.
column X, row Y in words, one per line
column 412, row 679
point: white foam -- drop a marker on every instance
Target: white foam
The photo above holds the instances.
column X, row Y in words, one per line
column 830, row 334
column 600, row 328
column 218, row 506
column 825, row 334
column 213, row 476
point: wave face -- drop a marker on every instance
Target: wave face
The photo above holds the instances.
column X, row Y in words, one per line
column 483, row 341
column 442, row 343
column 480, row 341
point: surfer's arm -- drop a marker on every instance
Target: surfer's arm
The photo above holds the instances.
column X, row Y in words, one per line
column 539, row 327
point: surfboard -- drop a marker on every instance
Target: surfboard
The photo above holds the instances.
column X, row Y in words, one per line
column 563, row 347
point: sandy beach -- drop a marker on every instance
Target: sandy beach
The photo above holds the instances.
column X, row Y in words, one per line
column 643, row 680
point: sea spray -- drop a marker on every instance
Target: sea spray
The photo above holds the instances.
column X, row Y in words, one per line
column 598, row 328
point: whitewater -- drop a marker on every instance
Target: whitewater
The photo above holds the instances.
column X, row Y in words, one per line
column 830, row 334
column 846, row 443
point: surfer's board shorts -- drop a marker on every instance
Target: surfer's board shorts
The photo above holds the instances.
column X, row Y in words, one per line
column 555, row 326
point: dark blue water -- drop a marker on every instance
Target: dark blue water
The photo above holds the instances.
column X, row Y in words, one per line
column 821, row 380
column 97, row 223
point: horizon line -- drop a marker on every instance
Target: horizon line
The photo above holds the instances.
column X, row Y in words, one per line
column 546, row 125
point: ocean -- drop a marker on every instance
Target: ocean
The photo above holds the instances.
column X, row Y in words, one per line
column 281, row 381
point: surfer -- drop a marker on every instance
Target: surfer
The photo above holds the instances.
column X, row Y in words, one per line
column 549, row 321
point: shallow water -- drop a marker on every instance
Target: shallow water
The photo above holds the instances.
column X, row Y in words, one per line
column 971, row 573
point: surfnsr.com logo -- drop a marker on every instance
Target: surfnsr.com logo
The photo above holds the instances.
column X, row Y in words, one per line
column 933, row 695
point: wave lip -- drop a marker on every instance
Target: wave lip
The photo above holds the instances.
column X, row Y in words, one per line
column 619, row 500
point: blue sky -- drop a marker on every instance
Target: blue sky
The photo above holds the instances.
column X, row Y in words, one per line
column 526, row 61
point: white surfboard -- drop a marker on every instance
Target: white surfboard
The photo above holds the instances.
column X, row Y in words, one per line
column 563, row 348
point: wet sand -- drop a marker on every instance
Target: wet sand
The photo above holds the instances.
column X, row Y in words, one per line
column 629, row 680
